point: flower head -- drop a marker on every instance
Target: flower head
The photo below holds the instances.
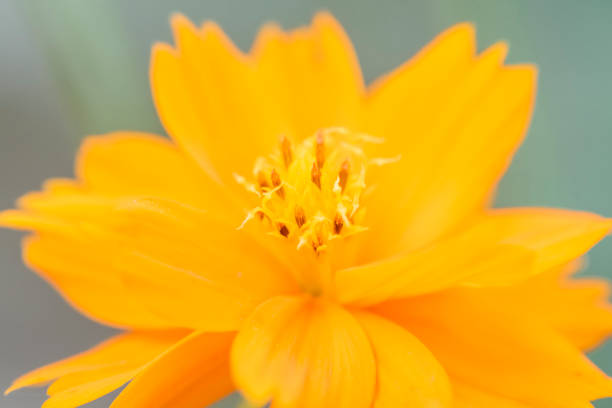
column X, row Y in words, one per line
column 312, row 242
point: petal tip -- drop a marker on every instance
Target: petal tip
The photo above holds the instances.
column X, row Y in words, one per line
column 324, row 17
column 179, row 21
column 178, row 18
column 607, row 225
column 20, row 383
column 464, row 28
column 211, row 27
column 500, row 49
column 12, row 219
column 161, row 47
column 530, row 71
column 10, row 389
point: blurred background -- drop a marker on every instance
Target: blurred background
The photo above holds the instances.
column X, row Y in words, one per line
column 69, row 68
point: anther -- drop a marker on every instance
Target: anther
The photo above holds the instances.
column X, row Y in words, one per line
column 343, row 174
column 262, row 180
column 338, row 223
column 276, row 182
column 286, row 150
column 320, row 149
column 315, row 174
column 283, row 230
column 300, row 216
column 318, row 241
column 335, row 161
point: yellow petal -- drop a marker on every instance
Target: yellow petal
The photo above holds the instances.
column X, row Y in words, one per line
column 408, row 375
column 87, row 392
column 190, row 269
column 192, row 374
column 456, row 120
column 502, row 247
column 133, row 164
column 430, row 270
column 303, row 352
column 127, row 350
column 226, row 108
column 300, row 68
column 439, row 65
column 576, row 307
column 490, row 348
column 127, row 164
column 558, row 236
column 70, row 383
column 70, row 216
column 467, row 397
column 203, row 92
column 82, row 272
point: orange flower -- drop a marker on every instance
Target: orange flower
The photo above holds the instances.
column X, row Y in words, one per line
column 312, row 242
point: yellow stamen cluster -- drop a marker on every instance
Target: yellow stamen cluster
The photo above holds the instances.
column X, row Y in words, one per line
column 311, row 192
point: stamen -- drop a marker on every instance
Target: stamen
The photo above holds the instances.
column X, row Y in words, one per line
column 343, row 174
column 320, row 149
column 262, row 180
column 287, row 151
column 276, row 182
column 338, row 223
column 318, row 243
column 315, row 174
column 335, row 161
column 300, row 216
column 283, row 230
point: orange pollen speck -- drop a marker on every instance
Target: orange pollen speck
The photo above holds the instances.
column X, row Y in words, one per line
column 300, row 216
column 315, row 175
column 338, row 224
column 277, row 183
column 262, row 180
column 283, row 230
column 287, row 152
column 320, row 149
column 343, row 174
column 311, row 192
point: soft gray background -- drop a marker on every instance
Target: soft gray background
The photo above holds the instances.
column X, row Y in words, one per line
column 72, row 67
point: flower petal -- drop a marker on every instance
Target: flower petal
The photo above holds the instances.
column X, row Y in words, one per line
column 558, row 236
column 123, row 353
column 490, row 348
column 502, row 247
column 467, row 397
column 408, row 375
column 578, row 308
column 82, row 272
column 69, row 215
column 300, row 351
column 200, row 89
column 133, row 164
column 192, row 374
column 456, row 120
column 300, row 68
column 192, row 270
column 129, row 164
column 88, row 391
column 71, row 384
column 226, row 108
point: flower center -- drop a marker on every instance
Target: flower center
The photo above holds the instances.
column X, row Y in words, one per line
column 311, row 192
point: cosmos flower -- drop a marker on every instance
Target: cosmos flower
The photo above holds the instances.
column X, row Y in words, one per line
column 312, row 242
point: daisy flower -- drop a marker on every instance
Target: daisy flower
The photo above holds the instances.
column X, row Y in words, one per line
column 312, row 242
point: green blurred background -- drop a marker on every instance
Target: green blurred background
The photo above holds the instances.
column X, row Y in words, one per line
column 69, row 68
